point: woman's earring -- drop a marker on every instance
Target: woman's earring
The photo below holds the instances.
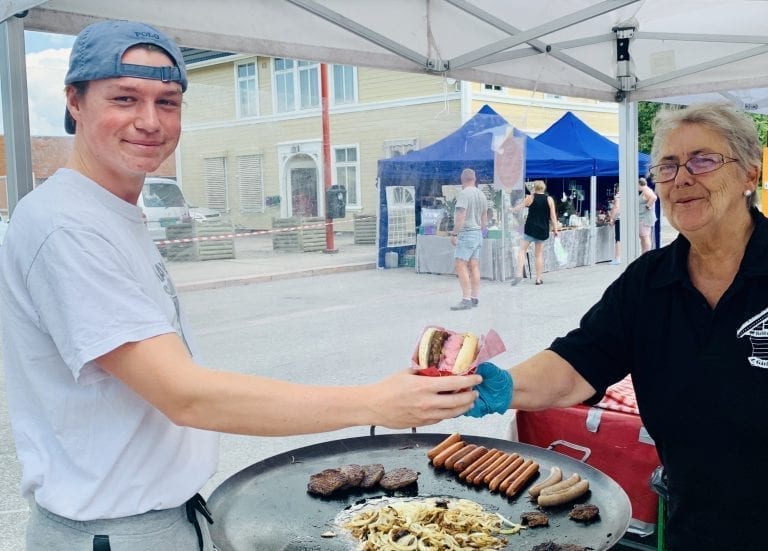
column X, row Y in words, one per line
column 747, row 192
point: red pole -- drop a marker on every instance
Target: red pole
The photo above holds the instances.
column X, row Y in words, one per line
column 329, row 245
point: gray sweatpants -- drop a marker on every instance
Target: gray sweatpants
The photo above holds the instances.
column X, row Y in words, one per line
column 168, row 530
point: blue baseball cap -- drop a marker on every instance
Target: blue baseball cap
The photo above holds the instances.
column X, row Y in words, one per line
column 98, row 52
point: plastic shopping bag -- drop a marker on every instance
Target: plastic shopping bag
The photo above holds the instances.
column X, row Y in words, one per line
column 560, row 253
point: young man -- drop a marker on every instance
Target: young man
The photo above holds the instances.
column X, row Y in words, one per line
column 114, row 418
column 469, row 225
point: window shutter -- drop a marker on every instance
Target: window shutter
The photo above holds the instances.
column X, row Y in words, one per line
column 214, row 172
column 251, row 183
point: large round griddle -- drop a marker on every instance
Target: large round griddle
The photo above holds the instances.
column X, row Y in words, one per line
column 266, row 506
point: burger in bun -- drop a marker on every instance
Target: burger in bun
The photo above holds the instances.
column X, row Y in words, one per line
column 444, row 352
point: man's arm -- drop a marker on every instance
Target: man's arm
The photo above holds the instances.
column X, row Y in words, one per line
column 160, row 370
column 459, row 216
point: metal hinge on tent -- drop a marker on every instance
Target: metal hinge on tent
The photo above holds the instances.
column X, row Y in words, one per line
column 437, row 65
column 624, row 74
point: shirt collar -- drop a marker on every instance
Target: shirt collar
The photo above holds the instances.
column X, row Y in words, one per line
column 673, row 266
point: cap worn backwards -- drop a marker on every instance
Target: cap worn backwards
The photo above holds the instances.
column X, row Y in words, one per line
column 98, row 52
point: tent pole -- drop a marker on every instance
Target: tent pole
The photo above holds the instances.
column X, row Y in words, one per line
column 592, row 219
column 630, row 223
column 13, row 86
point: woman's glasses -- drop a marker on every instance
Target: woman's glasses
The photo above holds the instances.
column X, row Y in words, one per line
column 698, row 164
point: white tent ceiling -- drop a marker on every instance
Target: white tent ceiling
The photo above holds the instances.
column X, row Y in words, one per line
column 568, row 47
column 611, row 50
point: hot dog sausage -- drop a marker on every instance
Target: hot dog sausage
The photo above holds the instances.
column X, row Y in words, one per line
column 523, row 479
column 510, row 467
column 496, row 469
column 517, row 472
column 439, row 460
column 476, row 476
column 461, row 452
column 555, row 476
column 564, row 496
column 562, row 485
column 452, row 439
column 470, row 458
column 479, row 464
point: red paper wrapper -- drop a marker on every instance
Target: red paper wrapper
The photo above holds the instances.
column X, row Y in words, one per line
column 488, row 346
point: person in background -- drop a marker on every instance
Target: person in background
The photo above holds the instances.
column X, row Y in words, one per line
column 114, row 417
column 470, row 224
column 646, row 213
column 687, row 321
column 541, row 213
column 613, row 218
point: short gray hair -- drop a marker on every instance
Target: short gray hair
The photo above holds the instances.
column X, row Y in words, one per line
column 734, row 126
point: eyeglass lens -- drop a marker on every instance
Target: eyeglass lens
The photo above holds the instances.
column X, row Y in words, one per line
column 699, row 164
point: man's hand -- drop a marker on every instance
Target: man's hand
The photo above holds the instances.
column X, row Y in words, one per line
column 495, row 392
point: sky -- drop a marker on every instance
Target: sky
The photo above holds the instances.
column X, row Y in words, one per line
column 47, row 59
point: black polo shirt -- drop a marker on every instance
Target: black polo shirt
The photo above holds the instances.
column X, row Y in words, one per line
column 701, row 380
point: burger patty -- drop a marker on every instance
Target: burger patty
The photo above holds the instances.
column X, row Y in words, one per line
column 372, row 474
column 327, row 482
column 585, row 512
column 436, row 347
column 354, row 475
column 398, row 478
column 552, row 546
column 534, row 519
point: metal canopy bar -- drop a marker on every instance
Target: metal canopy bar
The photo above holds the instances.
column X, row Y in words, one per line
column 585, row 41
column 13, row 84
column 686, row 37
column 471, row 58
column 536, row 44
column 363, row 32
column 672, row 75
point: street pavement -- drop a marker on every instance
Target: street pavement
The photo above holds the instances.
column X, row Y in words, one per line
column 557, row 306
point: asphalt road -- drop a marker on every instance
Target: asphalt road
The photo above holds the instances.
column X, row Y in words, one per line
column 345, row 328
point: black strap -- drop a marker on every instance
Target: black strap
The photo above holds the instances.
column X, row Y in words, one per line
column 196, row 504
column 101, row 543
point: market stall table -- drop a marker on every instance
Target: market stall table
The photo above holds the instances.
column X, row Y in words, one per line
column 498, row 257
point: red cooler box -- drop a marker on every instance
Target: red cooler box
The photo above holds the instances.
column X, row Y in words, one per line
column 618, row 445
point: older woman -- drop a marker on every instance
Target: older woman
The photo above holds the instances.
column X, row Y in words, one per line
column 687, row 321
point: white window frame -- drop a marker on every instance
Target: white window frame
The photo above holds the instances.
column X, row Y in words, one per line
column 305, row 79
column 351, row 97
column 357, row 203
column 253, row 102
column 401, row 216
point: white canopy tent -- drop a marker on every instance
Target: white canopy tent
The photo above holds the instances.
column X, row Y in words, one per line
column 610, row 50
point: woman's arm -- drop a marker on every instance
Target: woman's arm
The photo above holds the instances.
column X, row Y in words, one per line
column 546, row 380
column 552, row 214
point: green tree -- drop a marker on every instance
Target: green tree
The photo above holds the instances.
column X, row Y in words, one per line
column 646, row 111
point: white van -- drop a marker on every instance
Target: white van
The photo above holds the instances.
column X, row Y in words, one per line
column 164, row 205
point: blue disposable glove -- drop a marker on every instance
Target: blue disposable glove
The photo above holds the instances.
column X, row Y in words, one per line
column 495, row 391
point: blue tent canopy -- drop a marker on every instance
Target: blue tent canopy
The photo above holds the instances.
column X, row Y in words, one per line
column 571, row 134
column 468, row 147
column 471, row 147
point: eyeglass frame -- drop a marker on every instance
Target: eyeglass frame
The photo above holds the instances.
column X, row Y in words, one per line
column 724, row 161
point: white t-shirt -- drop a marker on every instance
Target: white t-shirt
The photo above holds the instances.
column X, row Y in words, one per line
column 79, row 277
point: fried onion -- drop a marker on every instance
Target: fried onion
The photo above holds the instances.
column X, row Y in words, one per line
column 431, row 524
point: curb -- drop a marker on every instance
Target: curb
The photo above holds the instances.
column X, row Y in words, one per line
column 260, row 278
